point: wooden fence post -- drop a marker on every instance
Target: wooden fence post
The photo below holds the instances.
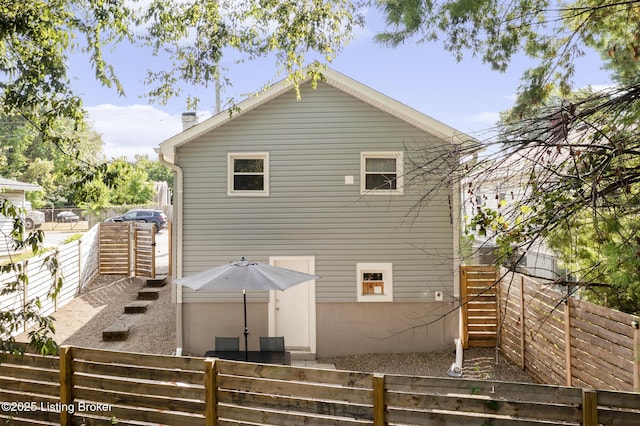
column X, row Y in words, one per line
column 79, row 264
column 636, row 354
column 66, row 384
column 379, row 418
column 25, row 292
column 464, row 313
column 56, row 255
column 522, row 327
column 589, row 407
column 210, row 388
column 567, row 341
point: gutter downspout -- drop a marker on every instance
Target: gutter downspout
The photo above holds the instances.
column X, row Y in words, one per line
column 177, row 246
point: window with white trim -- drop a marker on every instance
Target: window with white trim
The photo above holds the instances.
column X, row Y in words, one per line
column 375, row 282
column 381, row 172
column 248, row 174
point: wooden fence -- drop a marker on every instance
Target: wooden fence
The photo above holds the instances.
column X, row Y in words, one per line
column 78, row 264
column 567, row 341
column 479, row 306
column 115, row 248
column 88, row 386
column 127, row 248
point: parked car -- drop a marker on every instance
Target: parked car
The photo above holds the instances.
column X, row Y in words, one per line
column 142, row 215
column 34, row 220
column 67, row 216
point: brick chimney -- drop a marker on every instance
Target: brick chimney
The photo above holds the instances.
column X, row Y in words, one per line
column 189, row 119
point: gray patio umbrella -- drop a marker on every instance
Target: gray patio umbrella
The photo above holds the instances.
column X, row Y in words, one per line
column 245, row 275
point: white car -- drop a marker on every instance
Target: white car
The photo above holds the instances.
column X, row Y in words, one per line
column 34, row 220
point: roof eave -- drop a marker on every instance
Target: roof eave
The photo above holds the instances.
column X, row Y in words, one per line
column 337, row 80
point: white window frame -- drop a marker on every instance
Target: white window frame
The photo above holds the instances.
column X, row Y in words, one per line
column 399, row 157
column 387, row 278
column 231, row 157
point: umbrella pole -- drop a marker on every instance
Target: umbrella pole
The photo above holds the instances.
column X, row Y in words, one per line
column 246, row 330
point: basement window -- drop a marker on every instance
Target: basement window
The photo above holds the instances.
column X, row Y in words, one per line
column 375, row 282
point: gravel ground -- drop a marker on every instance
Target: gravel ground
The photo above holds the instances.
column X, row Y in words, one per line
column 478, row 363
column 81, row 322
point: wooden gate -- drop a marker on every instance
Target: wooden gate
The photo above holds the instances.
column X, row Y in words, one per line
column 115, row 248
column 479, row 310
column 144, row 249
column 127, row 248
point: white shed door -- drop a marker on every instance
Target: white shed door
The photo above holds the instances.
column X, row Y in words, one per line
column 293, row 310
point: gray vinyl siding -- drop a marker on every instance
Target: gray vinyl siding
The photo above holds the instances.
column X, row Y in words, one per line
column 313, row 144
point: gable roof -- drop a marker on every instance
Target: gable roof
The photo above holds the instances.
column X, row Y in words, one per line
column 15, row 185
column 334, row 79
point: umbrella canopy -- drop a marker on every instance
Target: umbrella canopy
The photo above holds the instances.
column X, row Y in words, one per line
column 245, row 275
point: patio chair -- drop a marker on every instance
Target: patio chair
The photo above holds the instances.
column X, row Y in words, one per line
column 272, row 344
column 227, row 343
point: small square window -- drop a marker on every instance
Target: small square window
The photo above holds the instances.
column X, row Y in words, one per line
column 375, row 282
column 381, row 172
column 248, row 174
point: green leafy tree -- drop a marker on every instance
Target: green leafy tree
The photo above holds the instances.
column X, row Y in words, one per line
column 132, row 185
column 574, row 153
column 27, row 158
column 157, row 171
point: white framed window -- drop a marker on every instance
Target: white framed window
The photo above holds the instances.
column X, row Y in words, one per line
column 248, row 173
column 381, row 172
column 375, row 282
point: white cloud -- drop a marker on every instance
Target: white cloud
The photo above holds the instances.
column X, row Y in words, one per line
column 132, row 129
column 487, row 118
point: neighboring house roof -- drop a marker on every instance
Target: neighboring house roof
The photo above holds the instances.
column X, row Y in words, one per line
column 337, row 80
column 15, row 185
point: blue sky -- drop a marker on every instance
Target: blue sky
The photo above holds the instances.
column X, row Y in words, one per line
column 465, row 95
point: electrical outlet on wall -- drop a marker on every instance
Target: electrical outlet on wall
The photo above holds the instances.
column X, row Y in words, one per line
column 439, row 296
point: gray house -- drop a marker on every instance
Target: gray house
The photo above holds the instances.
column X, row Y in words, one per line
column 321, row 184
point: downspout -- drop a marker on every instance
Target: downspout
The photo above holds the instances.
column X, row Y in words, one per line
column 177, row 245
column 456, row 368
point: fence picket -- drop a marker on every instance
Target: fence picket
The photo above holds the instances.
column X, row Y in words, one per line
column 229, row 392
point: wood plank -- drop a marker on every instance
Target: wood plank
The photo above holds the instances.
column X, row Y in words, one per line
column 262, row 417
column 136, row 372
column 41, row 387
column 297, row 389
column 27, row 373
column 143, row 360
column 126, row 415
column 337, row 377
column 152, row 388
column 477, row 405
column 301, row 405
column 139, row 401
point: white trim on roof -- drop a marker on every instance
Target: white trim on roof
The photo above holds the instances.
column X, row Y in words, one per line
column 337, row 80
column 15, row 185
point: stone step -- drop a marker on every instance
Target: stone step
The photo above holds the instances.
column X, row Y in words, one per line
column 149, row 294
column 119, row 330
column 137, row 307
column 159, row 281
column 301, row 355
